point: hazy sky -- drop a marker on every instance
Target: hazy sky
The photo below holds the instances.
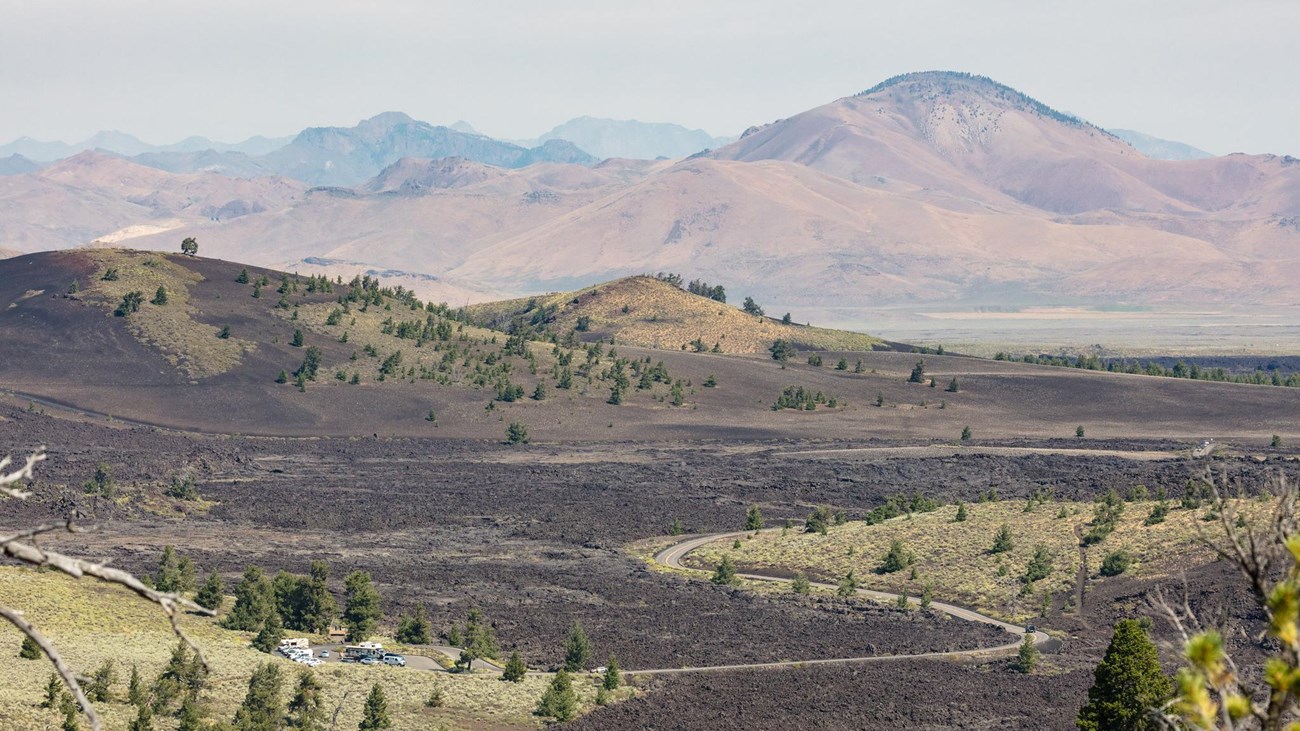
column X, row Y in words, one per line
column 1218, row 75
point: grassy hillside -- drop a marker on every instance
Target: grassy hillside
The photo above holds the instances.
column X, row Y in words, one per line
column 91, row 623
column 652, row 313
column 955, row 558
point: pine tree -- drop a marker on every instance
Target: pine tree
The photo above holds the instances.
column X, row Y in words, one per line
column 283, row 377
column 800, row 584
column 100, row 687
column 965, row 433
column 243, row 277
column 188, row 717
column 160, row 296
column 559, row 701
column 754, row 518
column 515, row 669
column 613, row 678
column 896, row 559
column 135, row 694
column 1002, row 541
column 254, row 600
column 270, row 635
column 143, row 720
column 1027, row 657
column 725, row 573
column 29, row 650
column 961, row 513
column 306, row 708
column 212, row 594
column 262, row 709
column 375, row 715
column 319, row 608
column 69, row 708
column 53, row 687
column 848, row 585
column 414, row 629
column 918, row 373
column 577, row 651
column 168, row 578
column 297, row 338
column 1127, row 683
column 361, row 609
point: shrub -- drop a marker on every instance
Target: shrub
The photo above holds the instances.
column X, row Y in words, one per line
column 820, row 520
column 801, row 585
column 1116, row 563
column 725, row 573
column 516, row 433
column 896, row 558
column 1002, row 541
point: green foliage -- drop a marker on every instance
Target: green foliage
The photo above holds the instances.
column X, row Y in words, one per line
column 175, row 573
column 1276, row 442
column 182, row 488
column 815, row 360
column 143, row 720
column 1157, row 514
column 135, row 690
column 1116, row 563
column 848, row 585
column 159, row 296
column 1127, row 683
column 754, row 518
column 361, row 609
column 243, row 277
column 436, row 698
column 310, row 364
column 1027, row 657
column 516, row 433
column 675, row 528
column 189, row 246
column 711, row 381
column 918, row 373
column 896, row 558
column 212, row 593
column 1078, row 431
column 900, row 504
column 478, row 640
column 262, row 709
column 961, row 513
column 101, row 483
column 965, row 433
column 927, row 596
column 1040, row 566
column 109, row 275
column 254, row 601
column 1002, row 540
column 801, row 585
column 99, row 688
column 952, row 386
column 559, row 701
column 307, row 706
column 800, row 398
column 415, row 628
column 130, row 303
column 53, row 687
column 515, row 669
column 577, row 650
column 725, row 572
column 613, row 678
column 29, row 650
column 269, row 637
column 842, row 365
column 782, row 350
column 1105, row 518
column 283, row 377
column 820, row 520
column 751, row 307
column 374, row 716
column 297, row 338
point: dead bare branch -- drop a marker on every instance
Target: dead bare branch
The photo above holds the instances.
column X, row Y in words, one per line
column 69, row 678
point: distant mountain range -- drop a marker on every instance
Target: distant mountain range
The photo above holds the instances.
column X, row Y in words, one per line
column 606, row 138
column 928, row 187
column 1159, row 149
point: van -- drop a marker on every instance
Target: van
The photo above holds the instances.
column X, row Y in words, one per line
column 397, row 660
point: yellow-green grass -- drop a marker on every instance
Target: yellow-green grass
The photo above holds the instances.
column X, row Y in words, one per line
column 646, row 312
column 954, row 557
column 92, row 622
column 187, row 344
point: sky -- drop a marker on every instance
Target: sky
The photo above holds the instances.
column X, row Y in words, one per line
column 1218, row 75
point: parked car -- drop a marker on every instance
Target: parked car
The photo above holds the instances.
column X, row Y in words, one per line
column 369, row 660
column 397, row 660
column 324, row 653
column 347, row 658
column 1030, row 629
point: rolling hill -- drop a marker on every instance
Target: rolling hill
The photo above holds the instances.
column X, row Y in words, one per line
column 651, row 313
column 386, row 364
column 931, row 188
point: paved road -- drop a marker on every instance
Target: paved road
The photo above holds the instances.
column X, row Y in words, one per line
column 673, row 555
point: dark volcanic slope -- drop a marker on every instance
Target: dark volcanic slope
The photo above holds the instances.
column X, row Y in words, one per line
column 88, row 359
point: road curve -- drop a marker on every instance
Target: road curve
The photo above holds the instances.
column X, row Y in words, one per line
column 672, row 557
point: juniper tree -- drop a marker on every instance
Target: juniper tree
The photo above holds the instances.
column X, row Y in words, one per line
column 848, row 585
column 415, row 628
column 961, row 513
column 254, row 600
column 160, row 296
column 754, row 518
column 896, row 559
column 1027, row 657
column 53, row 688
column 1002, row 540
column 800, row 584
column 29, row 649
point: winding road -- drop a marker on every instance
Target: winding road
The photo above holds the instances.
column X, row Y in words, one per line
column 672, row 558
